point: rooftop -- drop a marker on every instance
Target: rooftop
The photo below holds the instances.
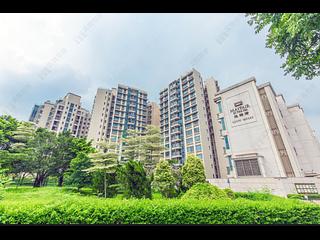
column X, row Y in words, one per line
column 236, row 85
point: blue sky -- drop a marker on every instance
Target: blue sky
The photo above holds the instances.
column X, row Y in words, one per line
column 44, row 56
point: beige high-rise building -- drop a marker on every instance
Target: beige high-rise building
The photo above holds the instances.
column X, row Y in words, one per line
column 153, row 114
column 64, row 115
column 101, row 116
column 184, row 121
column 41, row 117
column 245, row 130
column 115, row 111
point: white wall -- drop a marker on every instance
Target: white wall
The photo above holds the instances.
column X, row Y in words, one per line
column 277, row 186
column 253, row 136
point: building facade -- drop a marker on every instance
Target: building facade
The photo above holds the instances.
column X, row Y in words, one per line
column 115, row 111
column 34, row 113
column 153, row 114
column 64, row 115
column 184, row 121
column 262, row 136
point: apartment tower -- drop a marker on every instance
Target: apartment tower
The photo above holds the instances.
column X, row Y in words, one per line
column 115, row 111
column 64, row 115
column 153, row 114
column 184, row 122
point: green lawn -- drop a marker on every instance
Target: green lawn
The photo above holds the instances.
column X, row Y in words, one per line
column 55, row 205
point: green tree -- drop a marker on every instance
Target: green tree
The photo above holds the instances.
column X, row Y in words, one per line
column 99, row 180
column 104, row 161
column 192, row 172
column 4, row 180
column 134, row 181
column 8, row 124
column 164, row 180
column 76, row 175
column 131, row 145
column 63, row 154
column 43, row 161
column 19, row 155
column 152, row 147
column 146, row 147
column 295, row 36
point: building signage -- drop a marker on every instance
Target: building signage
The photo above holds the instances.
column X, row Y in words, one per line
column 240, row 109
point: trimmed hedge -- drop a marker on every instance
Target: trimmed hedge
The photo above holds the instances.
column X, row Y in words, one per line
column 255, row 196
column 230, row 193
column 301, row 196
column 205, row 191
column 89, row 210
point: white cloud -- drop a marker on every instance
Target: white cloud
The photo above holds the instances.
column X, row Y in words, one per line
column 143, row 50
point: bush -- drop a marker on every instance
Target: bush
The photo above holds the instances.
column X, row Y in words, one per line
column 51, row 205
column 1, row 194
column 204, row 191
column 192, row 172
column 164, row 181
column 255, row 196
column 229, row 193
column 98, row 184
column 134, row 180
column 90, row 210
column 301, row 196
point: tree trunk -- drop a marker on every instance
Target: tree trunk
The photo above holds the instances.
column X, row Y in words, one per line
column 60, row 181
column 39, row 180
column 105, row 184
column 21, row 179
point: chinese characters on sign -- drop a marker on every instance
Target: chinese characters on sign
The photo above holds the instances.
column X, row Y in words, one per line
column 240, row 109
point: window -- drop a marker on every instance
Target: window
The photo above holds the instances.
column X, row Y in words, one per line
column 306, row 188
column 198, row 148
column 200, row 156
column 197, row 138
column 249, row 167
column 189, row 132
column 219, row 107
column 187, row 111
column 195, row 116
column 189, row 140
column 190, row 149
column 226, row 141
column 188, row 125
column 223, row 125
column 196, row 130
column 188, row 118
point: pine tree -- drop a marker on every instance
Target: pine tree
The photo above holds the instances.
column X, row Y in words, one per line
column 18, row 157
column 152, row 147
column 131, row 145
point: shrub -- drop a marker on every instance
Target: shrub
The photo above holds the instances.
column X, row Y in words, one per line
column 50, row 205
column 192, row 172
column 204, row 191
column 230, row 193
column 98, row 180
column 134, row 180
column 164, row 181
column 90, row 210
column 1, row 194
column 255, row 196
column 301, row 196
column 295, row 196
